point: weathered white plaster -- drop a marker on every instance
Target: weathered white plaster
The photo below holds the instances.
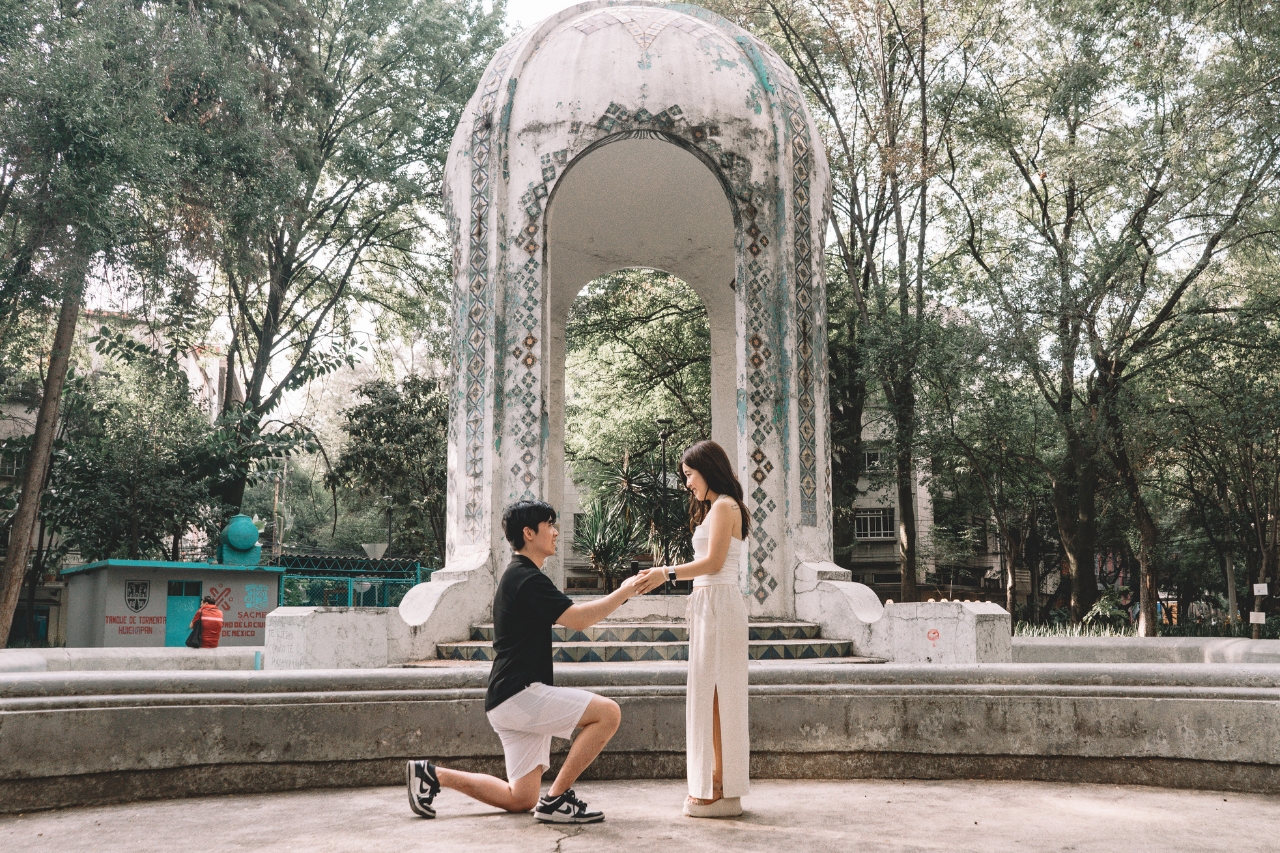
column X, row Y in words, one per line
column 445, row 608
column 615, row 135
column 331, row 638
column 949, row 632
column 925, row 632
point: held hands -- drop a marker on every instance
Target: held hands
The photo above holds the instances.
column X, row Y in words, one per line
column 650, row 579
column 631, row 586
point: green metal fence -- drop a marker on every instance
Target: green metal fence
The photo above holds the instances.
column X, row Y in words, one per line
column 347, row 582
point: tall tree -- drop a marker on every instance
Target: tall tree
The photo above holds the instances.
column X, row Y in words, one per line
column 396, row 447
column 982, row 420
column 87, row 92
column 127, row 482
column 873, row 72
column 1096, row 177
column 360, row 99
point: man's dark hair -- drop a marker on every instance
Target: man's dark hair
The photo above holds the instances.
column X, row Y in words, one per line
column 208, row 599
column 524, row 514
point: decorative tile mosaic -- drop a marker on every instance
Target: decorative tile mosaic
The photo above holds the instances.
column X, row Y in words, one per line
column 475, row 321
column 609, row 643
column 808, row 321
column 523, row 374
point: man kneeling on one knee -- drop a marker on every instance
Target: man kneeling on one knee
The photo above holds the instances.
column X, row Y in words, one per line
column 523, row 705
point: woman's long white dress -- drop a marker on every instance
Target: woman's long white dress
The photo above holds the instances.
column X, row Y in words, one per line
column 717, row 621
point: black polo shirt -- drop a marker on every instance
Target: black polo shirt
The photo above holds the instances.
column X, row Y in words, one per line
column 525, row 607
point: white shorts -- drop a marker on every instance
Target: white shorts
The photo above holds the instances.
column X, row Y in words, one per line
column 528, row 720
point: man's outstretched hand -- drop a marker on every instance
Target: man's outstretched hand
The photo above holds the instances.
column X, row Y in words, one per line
column 631, row 586
column 650, row 579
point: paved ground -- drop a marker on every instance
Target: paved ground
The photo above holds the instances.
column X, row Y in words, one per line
column 782, row 817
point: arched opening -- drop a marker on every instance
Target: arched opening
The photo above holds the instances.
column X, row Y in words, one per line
column 639, row 200
column 637, row 368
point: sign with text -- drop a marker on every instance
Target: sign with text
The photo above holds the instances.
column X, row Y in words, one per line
column 1259, row 589
column 1256, row 618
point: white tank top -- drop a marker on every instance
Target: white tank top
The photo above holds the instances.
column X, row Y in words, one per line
column 728, row 574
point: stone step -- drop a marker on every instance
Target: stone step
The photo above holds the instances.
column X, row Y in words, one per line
column 660, row 632
column 615, row 652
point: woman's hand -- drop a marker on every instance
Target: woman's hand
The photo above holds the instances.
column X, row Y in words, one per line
column 650, row 579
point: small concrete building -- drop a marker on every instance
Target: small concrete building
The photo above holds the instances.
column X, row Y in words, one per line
column 151, row 603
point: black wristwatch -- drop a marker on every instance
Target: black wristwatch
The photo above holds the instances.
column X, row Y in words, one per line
column 671, row 575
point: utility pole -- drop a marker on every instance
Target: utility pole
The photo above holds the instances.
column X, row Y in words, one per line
column 388, row 499
column 664, row 434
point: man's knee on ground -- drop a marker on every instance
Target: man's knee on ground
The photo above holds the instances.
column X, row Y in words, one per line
column 525, row 791
column 523, row 803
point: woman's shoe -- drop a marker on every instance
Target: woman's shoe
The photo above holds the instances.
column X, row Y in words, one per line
column 723, row 807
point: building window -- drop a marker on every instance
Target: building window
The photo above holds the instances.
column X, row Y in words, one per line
column 10, row 464
column 979, row 528
column 184, row 589
column 874, row 460
column 873, row 523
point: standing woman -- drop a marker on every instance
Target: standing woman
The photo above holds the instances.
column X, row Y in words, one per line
column 716, row 737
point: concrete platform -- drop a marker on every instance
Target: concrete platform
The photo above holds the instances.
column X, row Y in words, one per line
column 863, row 815
column 94, row 738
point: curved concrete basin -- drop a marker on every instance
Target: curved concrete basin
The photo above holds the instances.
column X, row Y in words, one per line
column 96, row 737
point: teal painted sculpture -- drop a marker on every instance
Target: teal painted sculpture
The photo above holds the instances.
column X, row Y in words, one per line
column 238, row 544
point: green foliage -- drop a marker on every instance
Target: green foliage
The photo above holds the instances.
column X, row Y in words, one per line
column 1108, row 611
column 638, row 349
column 396, row 446
column 660, row 510
column 1070, row 629
column 127, row 477
column 1268, row 631
column 357, row 104
column 609, row 538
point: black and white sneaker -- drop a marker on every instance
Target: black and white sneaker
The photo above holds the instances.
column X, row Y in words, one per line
column 566, row 808
column 420, row 776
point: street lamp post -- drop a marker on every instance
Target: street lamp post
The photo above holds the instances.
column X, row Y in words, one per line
column 388, row 499
column 664, row 434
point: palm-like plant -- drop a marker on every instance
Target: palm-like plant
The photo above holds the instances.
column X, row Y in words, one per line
column 630, row 487
column 608, row 536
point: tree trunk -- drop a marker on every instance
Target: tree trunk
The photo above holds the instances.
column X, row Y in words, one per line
column 1229, row 570
column 37, row 570
column 1014, row 540
column 1148, row 539
column 1033, row 565
column 37, row 468
column 1075, row 507
column 905, row 472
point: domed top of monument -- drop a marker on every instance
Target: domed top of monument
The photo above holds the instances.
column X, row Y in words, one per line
column 634, row 67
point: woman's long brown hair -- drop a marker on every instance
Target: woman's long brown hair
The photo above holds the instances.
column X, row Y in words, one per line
column 710, row 460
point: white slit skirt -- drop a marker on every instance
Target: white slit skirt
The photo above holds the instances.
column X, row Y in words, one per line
column 717, row 620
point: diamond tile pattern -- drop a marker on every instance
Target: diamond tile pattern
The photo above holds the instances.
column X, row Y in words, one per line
column 524, row 374
column 477, row 302
column 620, row 642
column 809, row 331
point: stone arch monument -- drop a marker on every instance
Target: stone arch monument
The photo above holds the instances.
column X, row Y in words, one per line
column 639, row 134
